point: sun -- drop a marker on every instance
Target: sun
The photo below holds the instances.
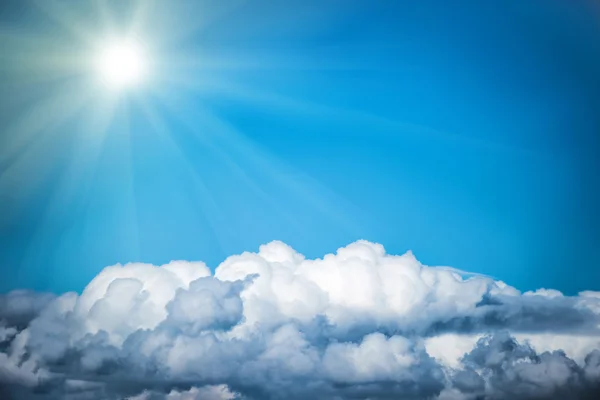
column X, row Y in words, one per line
column 122, row 64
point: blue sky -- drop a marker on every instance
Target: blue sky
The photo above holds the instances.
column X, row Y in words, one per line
column 467, row 133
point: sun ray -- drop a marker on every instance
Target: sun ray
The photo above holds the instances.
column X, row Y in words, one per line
column 77, row 175
column 236, row 168
column 330, row 204
column 44, row 117
column 236, row 60
column 277, row 101
column 79, row 27
column 31, row 58
column 131, row 195
column 88, row 141
column 239, row 147
column 157, row 22
column 107, row 20
column 210, row 208
column 141, row 16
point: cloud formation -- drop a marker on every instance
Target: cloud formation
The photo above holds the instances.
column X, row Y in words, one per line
column 357, row 324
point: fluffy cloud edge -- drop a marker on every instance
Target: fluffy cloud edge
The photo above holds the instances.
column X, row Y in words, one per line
column 273, row 324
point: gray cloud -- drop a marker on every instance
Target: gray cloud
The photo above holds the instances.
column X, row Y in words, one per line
column 274, row 325
column 515, row 370
column 19, row 307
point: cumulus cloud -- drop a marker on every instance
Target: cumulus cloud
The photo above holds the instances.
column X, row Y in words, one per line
column 19, row 307
column 359, row 323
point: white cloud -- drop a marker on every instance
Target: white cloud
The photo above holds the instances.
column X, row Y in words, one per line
column 209, row 392
column 272, row 324
column 375, row 358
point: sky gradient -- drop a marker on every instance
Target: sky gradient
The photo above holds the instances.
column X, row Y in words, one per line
column 465, row 132
column 312, row 199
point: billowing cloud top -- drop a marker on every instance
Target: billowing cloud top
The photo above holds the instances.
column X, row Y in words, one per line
column 358, row 324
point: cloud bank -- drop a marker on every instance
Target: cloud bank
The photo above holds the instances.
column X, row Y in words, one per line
column 357, row 324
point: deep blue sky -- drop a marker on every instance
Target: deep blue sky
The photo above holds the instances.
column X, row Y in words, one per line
column 466, row 131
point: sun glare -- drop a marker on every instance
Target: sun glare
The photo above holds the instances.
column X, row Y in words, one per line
column 122, row 64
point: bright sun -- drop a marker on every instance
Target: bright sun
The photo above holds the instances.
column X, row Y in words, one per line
column 122, row 64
